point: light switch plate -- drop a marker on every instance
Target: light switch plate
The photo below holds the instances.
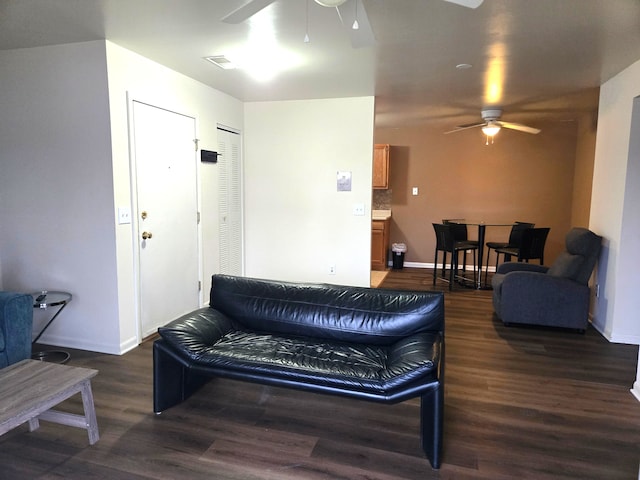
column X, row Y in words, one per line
column 124, row 215
column 414, row 191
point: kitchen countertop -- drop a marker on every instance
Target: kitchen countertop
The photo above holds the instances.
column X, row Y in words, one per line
column 380, row 214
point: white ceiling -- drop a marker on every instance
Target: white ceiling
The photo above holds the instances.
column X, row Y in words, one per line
column 543, row 57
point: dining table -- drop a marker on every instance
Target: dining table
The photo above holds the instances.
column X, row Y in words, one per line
column 482, row 228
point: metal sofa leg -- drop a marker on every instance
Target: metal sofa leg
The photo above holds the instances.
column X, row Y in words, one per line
column 431, row 424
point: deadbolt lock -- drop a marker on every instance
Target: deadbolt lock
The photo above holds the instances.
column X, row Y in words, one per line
column 143, row 214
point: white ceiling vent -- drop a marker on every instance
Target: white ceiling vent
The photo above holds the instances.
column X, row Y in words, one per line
column 222, row 62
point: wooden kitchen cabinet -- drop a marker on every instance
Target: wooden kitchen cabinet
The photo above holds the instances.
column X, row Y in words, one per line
column 381, row 166
column 379, row 244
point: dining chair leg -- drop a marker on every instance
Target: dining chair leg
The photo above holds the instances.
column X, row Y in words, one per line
column 486, row 268
column 475, row 278
column 453, row 269
column 435, row 267
column 464, row 263
column 444, row 262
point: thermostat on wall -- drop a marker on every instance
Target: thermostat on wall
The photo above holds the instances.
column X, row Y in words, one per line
column 344, row 181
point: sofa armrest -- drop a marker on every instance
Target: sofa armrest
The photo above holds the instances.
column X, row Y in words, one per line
column 193, row 333
column 16, row 324
column 509, row 267
column 540, row 299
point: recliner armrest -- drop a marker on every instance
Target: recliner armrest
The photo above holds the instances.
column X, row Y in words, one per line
column 509, row 267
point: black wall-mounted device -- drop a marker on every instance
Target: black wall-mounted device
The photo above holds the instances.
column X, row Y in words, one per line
column 208, row 156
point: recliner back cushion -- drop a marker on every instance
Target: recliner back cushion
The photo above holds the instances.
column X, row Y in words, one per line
column 582, row 241
column 566, row 266
column 351, row 314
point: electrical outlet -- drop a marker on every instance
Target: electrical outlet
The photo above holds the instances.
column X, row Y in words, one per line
column 332, row 269
column 358, row 209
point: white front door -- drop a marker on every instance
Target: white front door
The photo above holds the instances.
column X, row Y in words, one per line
column 167, row 223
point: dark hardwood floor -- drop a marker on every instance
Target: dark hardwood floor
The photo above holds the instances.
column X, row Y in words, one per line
column 520, row 403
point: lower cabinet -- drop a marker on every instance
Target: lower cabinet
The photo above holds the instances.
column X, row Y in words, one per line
column 379, row 244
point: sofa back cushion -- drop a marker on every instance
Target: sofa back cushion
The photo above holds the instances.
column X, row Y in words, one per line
column 352, row 314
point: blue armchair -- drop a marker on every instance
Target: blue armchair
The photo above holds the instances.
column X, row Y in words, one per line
column 16, row 320
column 556, row 296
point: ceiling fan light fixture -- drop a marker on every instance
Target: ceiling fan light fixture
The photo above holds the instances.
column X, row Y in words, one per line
column 490, row 129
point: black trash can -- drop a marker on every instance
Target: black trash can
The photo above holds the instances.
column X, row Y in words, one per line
column 397, row 252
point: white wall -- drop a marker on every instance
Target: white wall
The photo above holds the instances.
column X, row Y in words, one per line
column 616, row 194
column 297, row 223
column 141, row 79
column 614, row 209
column 65, row 170
column 56, row 187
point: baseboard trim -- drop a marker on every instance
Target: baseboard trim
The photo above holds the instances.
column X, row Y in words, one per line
column 430, row 265
column 79, row 344
column 635, row 391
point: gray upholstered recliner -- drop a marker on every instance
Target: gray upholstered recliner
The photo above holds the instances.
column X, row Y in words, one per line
column 16, row 320
column 556, row 296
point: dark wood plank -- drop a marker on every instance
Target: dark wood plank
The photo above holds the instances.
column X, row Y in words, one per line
column 520, row 403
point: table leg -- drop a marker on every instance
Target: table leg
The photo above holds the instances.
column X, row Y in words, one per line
column 49, row 323
column 90, row 412
column 481, row 232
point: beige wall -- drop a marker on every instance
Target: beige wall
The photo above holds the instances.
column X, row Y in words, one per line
column 583, row 178
column 520, row 177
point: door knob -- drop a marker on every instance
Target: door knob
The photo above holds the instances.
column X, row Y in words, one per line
column 146, row 235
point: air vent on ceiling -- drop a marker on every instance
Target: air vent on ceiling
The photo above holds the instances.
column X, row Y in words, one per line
column 222, row 62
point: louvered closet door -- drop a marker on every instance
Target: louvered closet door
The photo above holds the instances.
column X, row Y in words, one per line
column 230, row 203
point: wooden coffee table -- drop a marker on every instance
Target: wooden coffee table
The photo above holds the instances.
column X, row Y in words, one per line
column 29, row 389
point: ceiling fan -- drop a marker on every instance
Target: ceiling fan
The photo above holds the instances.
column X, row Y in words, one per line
column 351, row 12
column 492, row 124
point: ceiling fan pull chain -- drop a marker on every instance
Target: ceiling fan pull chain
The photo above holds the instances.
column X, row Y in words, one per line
column 306, row 33
column 355, row 25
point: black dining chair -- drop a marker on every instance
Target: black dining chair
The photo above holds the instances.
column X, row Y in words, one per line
column 463, row 244
column 515, row 237
column 446, row 243
column 531, row 245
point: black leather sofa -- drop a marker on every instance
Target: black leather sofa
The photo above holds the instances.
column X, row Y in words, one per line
column 370, row 344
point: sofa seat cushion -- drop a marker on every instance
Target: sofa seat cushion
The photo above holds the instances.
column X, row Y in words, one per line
column 339, row 364
column 209, row 339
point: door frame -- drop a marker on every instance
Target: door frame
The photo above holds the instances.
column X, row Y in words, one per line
column 133, row 97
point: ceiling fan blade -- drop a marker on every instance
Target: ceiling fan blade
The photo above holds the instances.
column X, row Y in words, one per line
column 351, row 11
column 520, row 127
column 247, row 10
column 459, row 128
column 467, row 3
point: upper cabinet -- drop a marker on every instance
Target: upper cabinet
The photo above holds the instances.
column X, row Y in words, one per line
column 381, row 166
